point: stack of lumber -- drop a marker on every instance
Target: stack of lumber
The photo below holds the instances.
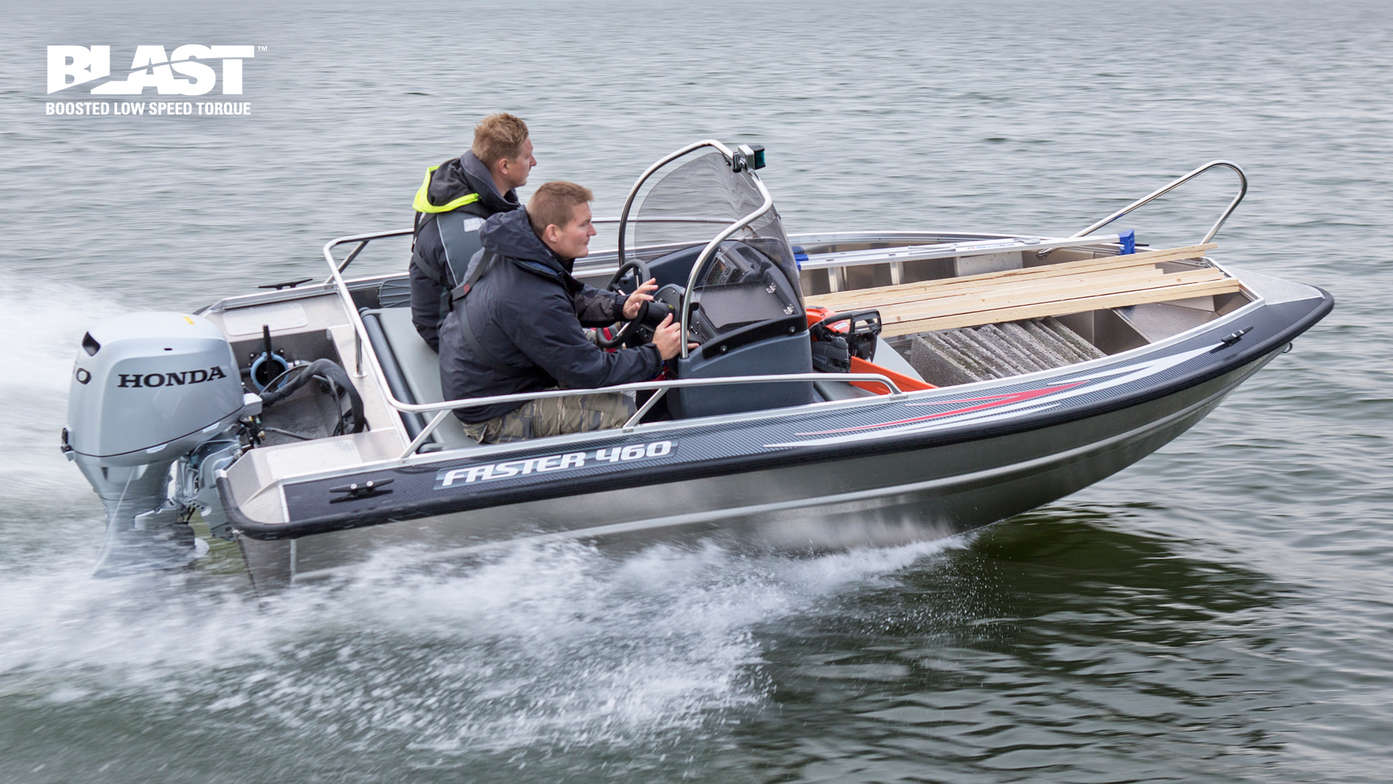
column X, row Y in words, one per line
column 1035, row 292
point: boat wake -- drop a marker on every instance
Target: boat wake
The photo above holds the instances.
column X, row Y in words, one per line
column 40, row 341
column 537, row 650
column 529, row 651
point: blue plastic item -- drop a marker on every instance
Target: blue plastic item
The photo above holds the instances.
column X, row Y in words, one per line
column 1128, row 239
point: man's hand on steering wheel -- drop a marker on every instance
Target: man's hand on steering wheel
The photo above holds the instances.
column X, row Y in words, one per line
column 668, row 338
column 644, row 293
column 633, row 303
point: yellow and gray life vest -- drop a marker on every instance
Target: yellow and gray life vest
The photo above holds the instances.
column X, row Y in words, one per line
column 459, row 231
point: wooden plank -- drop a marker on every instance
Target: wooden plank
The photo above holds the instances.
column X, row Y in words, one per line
column 848, row 299
column 1034, row 292
column 1062, row 290
column 1038, row 288
column 1057, row 307
column 1068, row 288
column 1027, row 273
column 1062, row 307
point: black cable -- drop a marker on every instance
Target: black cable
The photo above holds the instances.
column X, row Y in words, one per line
column 328, row 371
column 284, row 432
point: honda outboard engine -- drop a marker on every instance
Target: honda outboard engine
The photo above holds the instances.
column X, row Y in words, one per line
column 149, row 389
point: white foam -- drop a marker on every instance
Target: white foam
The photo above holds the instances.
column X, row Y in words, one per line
column 41, row 327
column 558, row 645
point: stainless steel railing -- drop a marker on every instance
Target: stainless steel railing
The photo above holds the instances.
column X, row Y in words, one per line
column 442, row 409
column 766, row 204
column 1172, row 185
column 364, row 239
column 445, row 408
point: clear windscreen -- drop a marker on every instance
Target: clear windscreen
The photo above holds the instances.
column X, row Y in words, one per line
column 695, row 198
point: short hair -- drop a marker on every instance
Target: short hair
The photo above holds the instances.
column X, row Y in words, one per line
column 554, row 203
column 498, row 136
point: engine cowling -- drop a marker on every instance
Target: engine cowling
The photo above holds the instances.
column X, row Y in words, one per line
column 151, row 386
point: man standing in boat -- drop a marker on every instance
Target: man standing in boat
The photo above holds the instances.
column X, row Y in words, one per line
column 451, row 205
column 517, row 325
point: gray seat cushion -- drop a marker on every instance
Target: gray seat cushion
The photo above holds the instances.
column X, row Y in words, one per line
column 413, row 371
column 394, row 293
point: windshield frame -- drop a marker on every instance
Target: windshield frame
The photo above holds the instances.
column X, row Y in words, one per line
column 709, row 251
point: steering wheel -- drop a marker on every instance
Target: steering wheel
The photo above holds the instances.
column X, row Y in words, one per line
column 632, row 266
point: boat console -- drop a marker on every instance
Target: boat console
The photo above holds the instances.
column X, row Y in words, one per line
column 736, row 293
column 746, row 319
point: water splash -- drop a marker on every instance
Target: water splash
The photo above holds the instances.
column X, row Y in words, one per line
column 42, row 324
column 552, row 647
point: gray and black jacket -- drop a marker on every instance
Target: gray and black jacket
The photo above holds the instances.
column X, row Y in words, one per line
column 461, row 187
column 527, row 315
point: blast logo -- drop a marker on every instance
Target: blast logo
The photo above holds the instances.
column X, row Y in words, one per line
column 191, row 69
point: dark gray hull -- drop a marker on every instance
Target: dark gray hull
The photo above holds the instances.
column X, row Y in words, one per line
column 881, row 499
column 877, row 470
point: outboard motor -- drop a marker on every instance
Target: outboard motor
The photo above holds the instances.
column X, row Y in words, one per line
column 149, row 389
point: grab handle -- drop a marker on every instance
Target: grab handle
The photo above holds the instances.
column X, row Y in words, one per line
column 1177, row 182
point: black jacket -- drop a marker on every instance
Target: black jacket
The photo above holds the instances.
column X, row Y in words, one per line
column 527, row 314
column 431, row 280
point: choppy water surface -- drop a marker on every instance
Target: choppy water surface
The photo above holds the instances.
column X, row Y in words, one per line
column 1219, row 612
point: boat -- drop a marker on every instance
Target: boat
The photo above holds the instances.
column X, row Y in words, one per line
column 846, row 389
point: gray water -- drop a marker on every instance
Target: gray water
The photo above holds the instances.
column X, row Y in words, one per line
column 1220, row 612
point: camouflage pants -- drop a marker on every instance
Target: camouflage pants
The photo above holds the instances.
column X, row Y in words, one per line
column 553, row 416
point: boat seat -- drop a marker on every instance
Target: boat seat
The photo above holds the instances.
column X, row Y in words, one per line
column 412, row 371
column 394, row 293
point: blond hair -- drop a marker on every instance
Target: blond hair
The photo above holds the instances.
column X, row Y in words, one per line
column 498, row 136
column 554, row 204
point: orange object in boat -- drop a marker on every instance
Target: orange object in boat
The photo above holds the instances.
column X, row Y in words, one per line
column 859, row 365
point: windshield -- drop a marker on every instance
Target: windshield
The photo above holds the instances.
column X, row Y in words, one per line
column 694, row 198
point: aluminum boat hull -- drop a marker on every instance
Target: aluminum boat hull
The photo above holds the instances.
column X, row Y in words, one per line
column 839, row 389
column 876, row 490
